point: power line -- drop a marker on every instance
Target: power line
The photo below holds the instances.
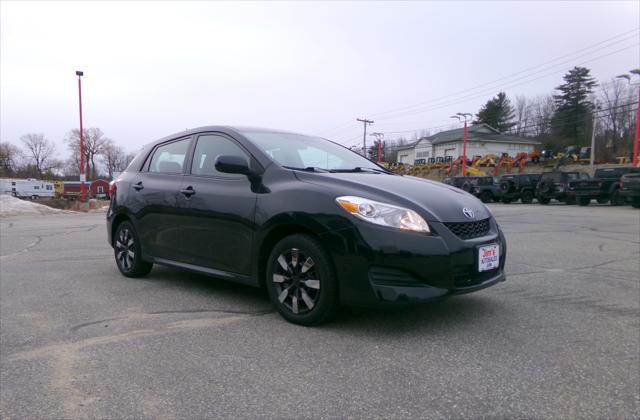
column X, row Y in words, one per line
column 623, row 35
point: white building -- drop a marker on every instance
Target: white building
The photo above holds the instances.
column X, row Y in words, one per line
column 482, row 139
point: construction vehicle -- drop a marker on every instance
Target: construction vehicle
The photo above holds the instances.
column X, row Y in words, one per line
column 506, row 161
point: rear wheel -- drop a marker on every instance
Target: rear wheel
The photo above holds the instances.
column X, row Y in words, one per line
column 527, row 197
column 635, row 202
column 127, row 251
column 584, row 201
column 301, row 281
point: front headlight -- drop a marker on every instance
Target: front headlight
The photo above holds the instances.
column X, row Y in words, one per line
column 383, row 214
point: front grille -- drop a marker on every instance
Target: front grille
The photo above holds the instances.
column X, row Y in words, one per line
column 469, row 230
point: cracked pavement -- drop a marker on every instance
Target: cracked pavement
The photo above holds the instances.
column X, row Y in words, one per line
column 559, row 339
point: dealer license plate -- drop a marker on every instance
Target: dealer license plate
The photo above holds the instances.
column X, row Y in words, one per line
column 488, row 257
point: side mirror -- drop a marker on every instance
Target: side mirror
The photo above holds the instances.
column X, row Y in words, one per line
column 233, row 165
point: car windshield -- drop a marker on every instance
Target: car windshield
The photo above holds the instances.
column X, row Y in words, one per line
column 297, row 151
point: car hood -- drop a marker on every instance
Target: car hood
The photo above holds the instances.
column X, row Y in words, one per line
column 435, row 201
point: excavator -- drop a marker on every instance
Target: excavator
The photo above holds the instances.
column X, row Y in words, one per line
column 506, row 161
column 521, row 160
column 471, row 169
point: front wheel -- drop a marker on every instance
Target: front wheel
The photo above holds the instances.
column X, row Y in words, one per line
column 543, row 200
column 486, row 197
column 301, row 281
column 128, row 253
column 615, row 198
column 584, row 201
column 527, row 197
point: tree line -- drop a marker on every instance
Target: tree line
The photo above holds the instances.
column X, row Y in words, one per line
column 559, row 119
column 36, row 157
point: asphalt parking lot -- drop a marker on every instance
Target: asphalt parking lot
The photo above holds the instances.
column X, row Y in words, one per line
column 559, row 339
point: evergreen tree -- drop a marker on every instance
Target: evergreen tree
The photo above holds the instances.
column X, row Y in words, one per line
column 571, row 120
column 497, row 112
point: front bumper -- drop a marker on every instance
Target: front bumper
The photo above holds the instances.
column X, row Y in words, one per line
column 594, row 193
column 381, row 267
column 629, row 193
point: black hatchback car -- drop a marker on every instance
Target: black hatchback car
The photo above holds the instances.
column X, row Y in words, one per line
column 315, row 223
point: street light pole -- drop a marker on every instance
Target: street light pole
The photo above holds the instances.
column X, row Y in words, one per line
column 637, row 134
column 463, row 115
column 636, row 137
column 83, row 189
column 592, row 158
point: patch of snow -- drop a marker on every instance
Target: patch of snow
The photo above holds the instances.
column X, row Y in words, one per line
column 12, row 206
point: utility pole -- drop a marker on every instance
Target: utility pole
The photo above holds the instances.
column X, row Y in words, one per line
column 83, row 178
column 365, row 122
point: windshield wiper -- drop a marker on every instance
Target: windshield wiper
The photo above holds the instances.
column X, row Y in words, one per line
column 363, row 169
column 307, row 169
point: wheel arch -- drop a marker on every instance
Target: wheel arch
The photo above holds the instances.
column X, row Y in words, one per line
column 117, row 220
column 280, row 231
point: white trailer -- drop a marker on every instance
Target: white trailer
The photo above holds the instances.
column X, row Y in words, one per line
column 27, row 188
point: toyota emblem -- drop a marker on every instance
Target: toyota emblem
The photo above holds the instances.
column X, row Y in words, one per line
column 468, row 213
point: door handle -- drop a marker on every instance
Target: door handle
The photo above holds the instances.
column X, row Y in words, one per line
column 188, row 192
column 138, row 186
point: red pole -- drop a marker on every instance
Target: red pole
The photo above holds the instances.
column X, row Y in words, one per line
column 635, row 139
column 83, row 190
column 464, row 149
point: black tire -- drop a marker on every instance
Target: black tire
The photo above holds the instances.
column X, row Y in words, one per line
column 635, row 202
column 584, row 201
column 526, row 197
column 603, row 200
column 570, row 201
column 128, row 253
column 506, row 200
column 615, row 198
column 486, row 197
column 300, row 263
column 506, row 186
column 543, row 200
column 546, row 187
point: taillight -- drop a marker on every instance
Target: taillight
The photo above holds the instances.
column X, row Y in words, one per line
column 112, row 188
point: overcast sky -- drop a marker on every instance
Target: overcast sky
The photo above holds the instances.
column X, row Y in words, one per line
column 155, row 68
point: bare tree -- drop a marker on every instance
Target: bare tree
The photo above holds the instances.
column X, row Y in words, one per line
column 94, row 142
column 523, row 114
column 113, row 158
column 542, row 109
column 9, row 159
column 40, row 152
column 616, row 115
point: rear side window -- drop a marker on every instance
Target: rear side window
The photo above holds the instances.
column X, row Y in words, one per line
column 169, row 158
column 208, row 149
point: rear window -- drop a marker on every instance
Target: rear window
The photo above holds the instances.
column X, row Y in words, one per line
column 169, row 158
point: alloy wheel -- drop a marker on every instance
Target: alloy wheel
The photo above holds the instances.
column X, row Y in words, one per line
column 125, row 249
column 296, row 281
